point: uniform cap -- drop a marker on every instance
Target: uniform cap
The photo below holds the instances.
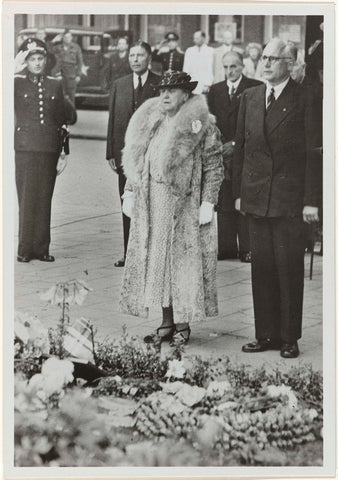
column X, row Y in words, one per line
column 172, row 36
column 33, row 45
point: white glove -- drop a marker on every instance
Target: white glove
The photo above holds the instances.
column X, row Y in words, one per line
column 20, row 61
column 206, row 213
column 128, row 203
column 62, row 164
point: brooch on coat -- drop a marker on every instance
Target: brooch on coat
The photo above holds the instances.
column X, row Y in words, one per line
column 196, row 126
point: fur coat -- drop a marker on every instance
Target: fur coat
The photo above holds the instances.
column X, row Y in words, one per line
column 190, row 162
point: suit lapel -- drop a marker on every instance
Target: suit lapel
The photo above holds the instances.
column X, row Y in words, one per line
column 235, row 101
column 147, row 91
column 223, row 100
column 257, row 111
column 129, row 94
column 282, row 107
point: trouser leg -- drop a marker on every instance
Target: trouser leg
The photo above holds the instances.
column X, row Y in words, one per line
column 69, row 88
column 264, row 275
column 243, row 233
column 45, row 189
column 167, row 316
column 125, row 219
column 26, row 177
column 227, row 234
column 289, row 237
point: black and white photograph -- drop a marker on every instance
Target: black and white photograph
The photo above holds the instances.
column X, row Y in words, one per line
column 169, row 282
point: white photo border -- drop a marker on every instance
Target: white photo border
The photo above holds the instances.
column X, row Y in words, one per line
column 9, row 198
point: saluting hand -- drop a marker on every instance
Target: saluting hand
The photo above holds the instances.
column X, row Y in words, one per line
column 310, row 214
column 20, row 61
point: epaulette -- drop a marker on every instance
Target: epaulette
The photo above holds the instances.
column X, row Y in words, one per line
column 18, row 75
column 51, row 78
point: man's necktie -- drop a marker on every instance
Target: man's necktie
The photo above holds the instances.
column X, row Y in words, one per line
column 138, row 93
column 232, row 93
column 271, row 98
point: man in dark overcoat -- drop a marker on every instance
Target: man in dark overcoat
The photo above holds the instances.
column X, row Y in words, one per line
column 276, row 182
column 127, row 94
column 40, row 114
column 172, row 59
column 223, row 99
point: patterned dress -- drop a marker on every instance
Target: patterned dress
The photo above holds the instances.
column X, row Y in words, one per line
column 161, row 211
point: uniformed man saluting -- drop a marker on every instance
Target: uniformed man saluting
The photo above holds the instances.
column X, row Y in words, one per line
column 172, row 58
column 41, row 115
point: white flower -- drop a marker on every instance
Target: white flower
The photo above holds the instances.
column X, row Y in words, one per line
column 277, row 391
column 196, row 126
column 312, row 413
column 218, row 389
column 176, row 369
column 55, row 374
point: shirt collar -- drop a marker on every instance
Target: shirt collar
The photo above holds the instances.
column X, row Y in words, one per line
column 277, row 88
column 34, row 78
column 234, row 84
column 143, row 78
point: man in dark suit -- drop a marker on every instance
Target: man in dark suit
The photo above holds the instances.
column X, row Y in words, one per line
column 223, row 99
column 276, row 182
column 127, row 94
column 173, row 59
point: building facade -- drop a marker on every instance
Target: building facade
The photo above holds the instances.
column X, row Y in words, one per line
column 301, row 30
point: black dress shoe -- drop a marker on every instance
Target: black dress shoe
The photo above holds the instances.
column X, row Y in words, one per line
column 120, row 263
column 245, row 257
column 23, row 259
column 46, row 258
column 262, row 345
column 289, row 350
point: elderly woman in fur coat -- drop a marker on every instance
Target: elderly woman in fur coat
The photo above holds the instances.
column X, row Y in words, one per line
column 173, row 163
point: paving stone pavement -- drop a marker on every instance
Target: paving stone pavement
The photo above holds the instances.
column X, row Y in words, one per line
column 87, row 240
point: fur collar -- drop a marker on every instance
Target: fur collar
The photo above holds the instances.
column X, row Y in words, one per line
column 184, row 134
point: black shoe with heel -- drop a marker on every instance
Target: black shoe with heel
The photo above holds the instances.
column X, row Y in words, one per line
column 181, row 334
column 158, row 337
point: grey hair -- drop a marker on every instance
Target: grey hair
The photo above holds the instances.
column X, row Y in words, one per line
column 234, row 54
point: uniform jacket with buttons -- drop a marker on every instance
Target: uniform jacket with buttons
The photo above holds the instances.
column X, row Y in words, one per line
column 171, row 60
column 40, row 111
column 276, row 170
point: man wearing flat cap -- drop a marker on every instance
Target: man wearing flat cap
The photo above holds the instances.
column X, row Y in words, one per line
column 171, row 58
column 41, row 115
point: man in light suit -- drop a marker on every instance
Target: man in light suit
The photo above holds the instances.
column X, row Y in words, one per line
column 223, row 99
column 276, row 183
column 127, row 94
column 227, row 46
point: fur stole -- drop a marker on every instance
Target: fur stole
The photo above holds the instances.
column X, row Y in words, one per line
column 176, row 155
